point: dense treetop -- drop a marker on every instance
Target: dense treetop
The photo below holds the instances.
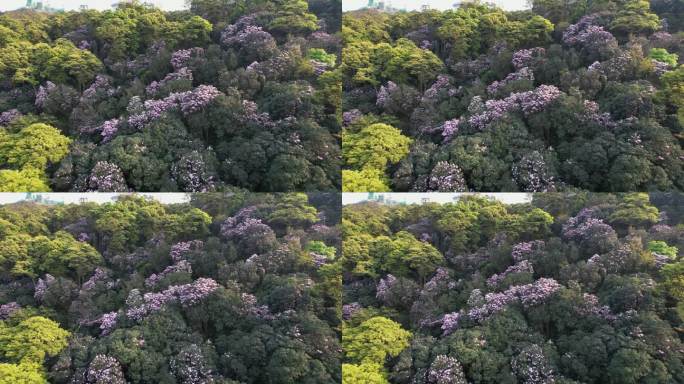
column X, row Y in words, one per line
column 226, row 289
column 582, row 94
column 226, row 94
column 570, row 288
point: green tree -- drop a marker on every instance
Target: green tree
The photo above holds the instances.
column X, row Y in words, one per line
column 374, row 340
column 661, row 54
column 673, row 283
column 374, row 147
column 363, row 374
column 32, row 340
column 25, row 373
column 661, row 248
column 365, row 180
column 635, row 17
column 292, row 17
column 36, row 145
column 634, row 210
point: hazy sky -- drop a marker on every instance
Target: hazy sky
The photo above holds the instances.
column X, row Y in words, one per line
column 409, row 198
column 510, row 5
column 166, row 198
column 6, row 5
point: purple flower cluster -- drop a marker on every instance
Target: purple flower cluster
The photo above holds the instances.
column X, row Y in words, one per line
column 383, row 287
column 191, row 367
column 524, row 73
column 585, row 225
column 593, row 114
column 155, row 278
column 189, row 102
column 350, row 117
column 446, row 370
column 186, row 294
column 450, row 322
column 100, row 275
column 447, row 177
column 536, row 100
column 439, row 280
column 42, row 286
column 591, row 307
column 523, row 251
column 181, row 58
column 523, row 266
column 8, row 116
column 252, row 308
column 442, row 83
column 251, row 114
column 195, row 100
column 532, row 367
column 6, row 310
column 43, row 93
column 659, row 68
column 532, row 174
column 181, row 74
column 179, row 250
column 107, row 129
column 529, row 102
column 526, row 57
column 233, row 228
column 450, row 129
column 107, row 177
column 105, row 370
column 385, row 93
column 99, row 89
column 191, row 173
column 348, row 310
column 613, row 261
column 108, row 322
column 528, row 295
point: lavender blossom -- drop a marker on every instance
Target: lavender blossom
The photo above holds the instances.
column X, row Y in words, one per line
column 522, row 267
column 181, row 58
column 107, row 177
column 105, row 370
column 6, row 310
column 524, row 73
column 349, row 310
column 446, row 370
column 8, row 116
column 532, row 367
column 525, row 57
column 42, row 286
column 191, row 367
column 447, row 177
column 108, row 322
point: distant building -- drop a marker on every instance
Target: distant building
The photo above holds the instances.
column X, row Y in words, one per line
column 43, row 6
column 380, row 5
column 425, row 7
column 83, row 7
column 39, row 198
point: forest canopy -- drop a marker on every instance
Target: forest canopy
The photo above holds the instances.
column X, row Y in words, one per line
column 565, row 95
column 568, row 288
column 224, row 95
column 224, row 289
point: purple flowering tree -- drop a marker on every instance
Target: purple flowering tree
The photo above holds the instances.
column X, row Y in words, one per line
column 532, row 367
column 447, row 177
column 446, row 370
column 107, row 177
column 105, row 370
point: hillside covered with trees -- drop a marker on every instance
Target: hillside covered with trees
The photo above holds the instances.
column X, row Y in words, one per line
column 568, row 289
column 226, row 289
column 584, row 94
column 225, row 94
